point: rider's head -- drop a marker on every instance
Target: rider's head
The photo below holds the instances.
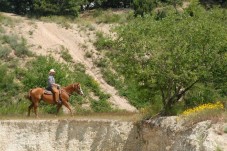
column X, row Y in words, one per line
column 52, row 72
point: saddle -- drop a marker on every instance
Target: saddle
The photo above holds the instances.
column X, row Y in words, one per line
column 48, row 92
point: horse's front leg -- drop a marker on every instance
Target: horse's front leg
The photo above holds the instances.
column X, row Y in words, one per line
column 66, row 104
column 58, row 108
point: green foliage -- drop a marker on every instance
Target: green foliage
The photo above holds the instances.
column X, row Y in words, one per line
column 4, row 52
column 201, row 94
column 51, row 7
column 7, row 21
column 37, row 74
column 168, row 57
column 225, row 130
column 65, row 54
column 101, row 106
column 19, row 108
column 63, row 21
column 103, row 42
column 143, row 7
column 5, row 5
column 110, row 16
column 8, row 87
column 17, row 44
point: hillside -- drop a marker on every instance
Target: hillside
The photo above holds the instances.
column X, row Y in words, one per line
column 48, row 39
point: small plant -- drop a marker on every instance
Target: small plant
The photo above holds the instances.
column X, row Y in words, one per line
column 101, row 62
column 107, row 17
column 101, row 106
column 88, row 54
column 19, row 45
column 225, row 129
column 30, row 32
column 102, row 42
column 90, row 27
column 7, row 21
column 61, row 20
column 218, row 149
column 65, row 54
column 84, row 46
column 4, row 52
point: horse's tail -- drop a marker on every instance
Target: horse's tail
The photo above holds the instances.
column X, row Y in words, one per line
column 28, row 96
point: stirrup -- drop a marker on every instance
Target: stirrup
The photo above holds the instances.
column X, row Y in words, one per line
column 59, row 102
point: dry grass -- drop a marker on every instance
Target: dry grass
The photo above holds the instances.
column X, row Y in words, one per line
column 121, row 116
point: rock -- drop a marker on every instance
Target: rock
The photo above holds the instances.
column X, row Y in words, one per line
column 172, row 133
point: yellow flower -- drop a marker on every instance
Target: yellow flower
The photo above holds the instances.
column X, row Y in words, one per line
column 203, row 107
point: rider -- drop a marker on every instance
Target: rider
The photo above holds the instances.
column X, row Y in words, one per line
column 53, row 87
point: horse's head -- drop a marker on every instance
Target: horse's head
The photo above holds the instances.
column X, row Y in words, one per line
column 78, row 89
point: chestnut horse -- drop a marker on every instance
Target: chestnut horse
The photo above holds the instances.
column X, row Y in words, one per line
column 37, row 94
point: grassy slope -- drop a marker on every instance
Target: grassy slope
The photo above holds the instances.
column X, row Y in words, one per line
column 16, row 80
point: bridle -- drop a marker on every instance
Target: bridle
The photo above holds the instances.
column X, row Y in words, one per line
column 69, row 94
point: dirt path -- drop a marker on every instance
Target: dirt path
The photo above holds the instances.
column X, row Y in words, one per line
column 48, row 39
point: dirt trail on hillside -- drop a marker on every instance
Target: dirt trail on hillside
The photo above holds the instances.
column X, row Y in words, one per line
column 49, row 38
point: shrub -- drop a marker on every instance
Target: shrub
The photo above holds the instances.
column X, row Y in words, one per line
column 18, row 45
column 65, row 54
column 103, row 42
column 101, row 106
column 4, row 52
column 225, row 130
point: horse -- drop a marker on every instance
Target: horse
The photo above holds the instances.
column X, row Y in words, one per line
column 37, row 94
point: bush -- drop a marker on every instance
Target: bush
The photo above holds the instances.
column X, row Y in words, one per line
column 18, row 45
column 142, row 7
column 103, row 42
column 4, row 52
column 101, row 106
column 65, row 54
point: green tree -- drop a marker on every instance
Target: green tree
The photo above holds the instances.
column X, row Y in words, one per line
column 169, row 57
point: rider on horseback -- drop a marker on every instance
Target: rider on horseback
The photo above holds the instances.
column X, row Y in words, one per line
column 53, row 87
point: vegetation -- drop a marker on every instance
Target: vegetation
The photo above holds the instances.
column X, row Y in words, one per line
column 209, row 111
column 171, row 59
column 162, row 59
column 53, row 7
column 203, row 107
column 15, row 81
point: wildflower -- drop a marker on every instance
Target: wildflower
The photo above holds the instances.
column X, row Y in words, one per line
column 203, row 107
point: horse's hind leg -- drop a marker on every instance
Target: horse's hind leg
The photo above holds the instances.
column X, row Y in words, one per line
column 29, row 108
column 66, row 104
column 35, row 109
